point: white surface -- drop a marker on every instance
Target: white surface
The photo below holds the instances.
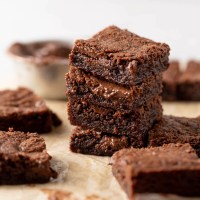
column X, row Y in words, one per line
column 172, row 21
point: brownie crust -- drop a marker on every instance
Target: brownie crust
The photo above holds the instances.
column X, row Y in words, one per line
column 88, row 116
column 22, row 110
column 110, row 95
column 120, row 56
column 147, row 170
column 170, row 78
column 24, row 159
column 189, row 83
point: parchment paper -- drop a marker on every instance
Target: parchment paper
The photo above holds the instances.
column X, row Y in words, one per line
column 83, row 177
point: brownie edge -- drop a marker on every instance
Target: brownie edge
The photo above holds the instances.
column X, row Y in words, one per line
column 24, row 159
column 147, row 170
column 120, row 56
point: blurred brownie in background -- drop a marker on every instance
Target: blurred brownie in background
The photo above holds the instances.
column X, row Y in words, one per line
column 40, row 66
column 170, row 78
column 188, row 87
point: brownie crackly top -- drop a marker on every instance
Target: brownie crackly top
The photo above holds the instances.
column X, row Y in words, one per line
column 119, row 56
column 121, row 44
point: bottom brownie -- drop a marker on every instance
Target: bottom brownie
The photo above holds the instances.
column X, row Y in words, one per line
column 101, row 144
column 89, row 116
column 24, row 159
column 168, row 130
column 170, row 169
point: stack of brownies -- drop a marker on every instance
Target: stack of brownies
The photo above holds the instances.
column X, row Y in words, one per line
column 114, row 88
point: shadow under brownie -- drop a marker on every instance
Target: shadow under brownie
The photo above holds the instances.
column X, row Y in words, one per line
column 24, row 111
column 169, row 169
column 24, row 159
column 120, row 56
column 102, row 93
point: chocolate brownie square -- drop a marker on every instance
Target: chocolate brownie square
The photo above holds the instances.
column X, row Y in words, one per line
column 85, row 86
column 176, row 130
column 170, row 78
column 169, row 129
column 24, row 159
column 120, row 56
column 103, row 144
column 170, row 169
column 22, row 110
column 108, row 120
column 189, row 83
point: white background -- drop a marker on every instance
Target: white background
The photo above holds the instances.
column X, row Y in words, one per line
column 171, row 21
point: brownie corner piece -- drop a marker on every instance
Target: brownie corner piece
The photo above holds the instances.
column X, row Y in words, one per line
column 147, row 170
column 24, row 158
column 120, row 56
column 170, row 77
column 25, row 111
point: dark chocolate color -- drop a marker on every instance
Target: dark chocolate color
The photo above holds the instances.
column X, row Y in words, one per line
column 120, row 56
column 110, row 95
column 170, row 169
column 176, row 130
column 102, row 144
column 24, row 159
column 112, row 121
column 22, row 110
column 168, row 130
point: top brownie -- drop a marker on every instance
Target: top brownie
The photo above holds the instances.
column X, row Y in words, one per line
column 120, row 56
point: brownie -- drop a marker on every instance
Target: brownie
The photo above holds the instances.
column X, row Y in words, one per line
column 109, row 95
column 102, row 144
column 176, row 130
column 170, row 78
column 120, row 56
column 170, row 169
column 189, row 83
column 24, row 159
column 169, row 129
column 108, row 120
column 22, row 110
